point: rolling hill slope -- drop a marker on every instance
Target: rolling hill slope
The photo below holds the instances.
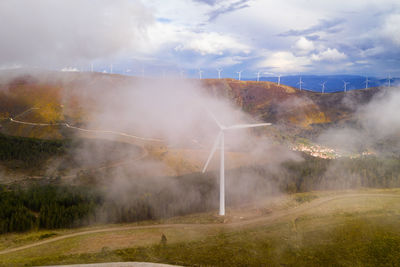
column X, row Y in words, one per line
column 301, row 111
column 58, row 97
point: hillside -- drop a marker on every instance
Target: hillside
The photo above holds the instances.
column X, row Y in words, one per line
column 57, row 97
column 316, row 229
column 125, row 191
column 73, row 98
column 304, row 112
column 334, row 83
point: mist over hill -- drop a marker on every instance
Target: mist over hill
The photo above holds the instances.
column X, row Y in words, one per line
column 91, row 99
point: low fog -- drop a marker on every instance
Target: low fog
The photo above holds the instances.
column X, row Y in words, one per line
column 172, row 118
column 172, row 110
column 178, row 111
column 374, row 127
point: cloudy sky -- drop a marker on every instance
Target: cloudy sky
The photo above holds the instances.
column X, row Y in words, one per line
column 156, row 36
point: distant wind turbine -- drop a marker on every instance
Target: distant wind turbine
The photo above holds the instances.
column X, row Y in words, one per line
column 323, row 87
column 219, row 73
column 366, row 82
column 221, row 142
column 258, row 76
column 239, row 74
column 200, row 72
column 279, row 79
column 345, row 85
column 300, row 83
column 389, row 79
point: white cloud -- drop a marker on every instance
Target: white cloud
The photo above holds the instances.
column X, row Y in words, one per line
column 259, row 27
column 212, row 43
column 73, row 32
column 182, row 13
column 391, row 28
column 329, row 55
column 180, row 38
column 229, row 61
column 285, row 62
column 65, row 31
column 304, row 46
column 373, row 51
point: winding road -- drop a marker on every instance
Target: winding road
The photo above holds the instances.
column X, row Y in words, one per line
column 142, row 156
column 88, row 130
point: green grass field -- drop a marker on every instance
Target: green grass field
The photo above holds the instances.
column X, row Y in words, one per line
column 315, row 229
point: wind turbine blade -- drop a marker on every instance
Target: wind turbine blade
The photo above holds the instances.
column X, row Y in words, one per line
column 215, row 119
column 214, row 148
column 242, row 126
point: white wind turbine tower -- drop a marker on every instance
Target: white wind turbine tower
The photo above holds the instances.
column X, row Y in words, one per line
column 200, row 72
column 279, row 79
column 300, row 83
column 221, row 141
column 366, row 82
column 219, row 73
column 389, row 79
column 323, row 87
column 239, row 74
column 345, row 85
column 258, row 76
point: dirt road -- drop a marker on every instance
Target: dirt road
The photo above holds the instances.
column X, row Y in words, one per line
column 261, row 220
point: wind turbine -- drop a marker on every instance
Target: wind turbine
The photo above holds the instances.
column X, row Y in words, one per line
column 258, row 76
column 389, row 79
column 323, row 87
column 345, row 85
column 239, row 74
column 219, row 73
column 221, row 142
column 200, row 72
column 279, row 79
column 366, row 82
column 300, row 83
